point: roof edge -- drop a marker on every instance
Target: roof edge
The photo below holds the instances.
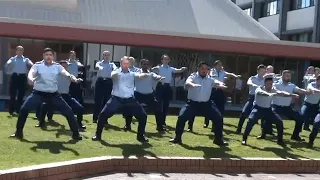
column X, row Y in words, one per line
column 176, row 34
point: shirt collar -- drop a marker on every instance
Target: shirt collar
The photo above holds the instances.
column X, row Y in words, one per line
column 17, row 56
column 166, row 66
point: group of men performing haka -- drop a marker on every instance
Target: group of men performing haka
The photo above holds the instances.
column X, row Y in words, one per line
column 126, row 87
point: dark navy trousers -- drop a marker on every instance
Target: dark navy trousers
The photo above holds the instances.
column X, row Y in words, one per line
column 17, row 88
column 49, row 113
column 125, row 104
column 269, row 115
column 102, row 93
column 164, row 95
column 47, row 108
column 75, row 90
column 150, row 101
column 288, row 112
column 309, row 112
column 219, row 99
column 35, row 99
column 206, row 109
column 247, row 108
column 315, row 128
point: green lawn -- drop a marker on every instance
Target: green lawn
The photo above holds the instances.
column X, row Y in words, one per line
column 53, row 144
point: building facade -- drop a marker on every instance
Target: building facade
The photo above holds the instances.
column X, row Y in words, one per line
column 188, row 30
column 292, row 20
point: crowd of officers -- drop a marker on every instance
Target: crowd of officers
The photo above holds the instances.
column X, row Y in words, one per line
column 56, row 86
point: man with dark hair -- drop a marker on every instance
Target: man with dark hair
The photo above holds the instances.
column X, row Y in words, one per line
column 262, row 109
column 144, row 94
column 103, row 86
column 281, row 105
column 310, row 101
column 310, row 106
column 218, row 95
column 63, row 89
column 199, row 87
column 44, row 78
column 17, row 66
column 73, row 68
column 163, row 89
column 253, row 82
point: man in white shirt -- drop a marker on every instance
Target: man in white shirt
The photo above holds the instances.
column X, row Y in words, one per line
column 44, row 77
column 123, row 98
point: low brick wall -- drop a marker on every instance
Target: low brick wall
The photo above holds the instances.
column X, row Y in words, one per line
column 93, row 166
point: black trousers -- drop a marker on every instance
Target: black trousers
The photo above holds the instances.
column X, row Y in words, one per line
column 17, row 87
column 102, row 93
column 164, row 95
column 35, row 99
column 125, row 104
column 206, row 109
column 150, row 101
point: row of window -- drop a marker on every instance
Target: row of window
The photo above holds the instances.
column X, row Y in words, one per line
column 272, row 7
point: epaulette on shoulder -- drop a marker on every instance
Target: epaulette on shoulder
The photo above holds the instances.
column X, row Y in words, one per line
column 55, row 63
column 39, row 62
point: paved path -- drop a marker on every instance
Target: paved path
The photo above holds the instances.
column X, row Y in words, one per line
column 169, row 176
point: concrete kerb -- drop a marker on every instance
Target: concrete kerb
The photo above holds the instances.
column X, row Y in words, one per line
column 107, row 164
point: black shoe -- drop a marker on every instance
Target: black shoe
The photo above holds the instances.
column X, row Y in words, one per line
column 175, row 141
column 190, row 129
column 95, row 121
column 280, row 142
column 297, row 138
column 263, row 136
column 127, row 128
column 40, row 125
column 205, row 126
column 310, row 144
column 220, row 143
column 271, row 134
column 96, row 138
column 164, row 126
column 17, row 135
column 306, row 129
column 142, row 139
column 81, row 125
column 76, row 137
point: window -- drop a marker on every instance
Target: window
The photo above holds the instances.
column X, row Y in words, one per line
column 299, row 4
column 271, row 7
column 303, row 37
column 248, row 11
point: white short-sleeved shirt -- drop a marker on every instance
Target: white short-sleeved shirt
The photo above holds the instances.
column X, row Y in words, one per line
column 220, row 75
column 47, row 77
column 281, row 100
column 202, row 93
column 18, row 65
column 261, row 100
column 108, row 67
column 73, row 67
column 123, row 86
column 166, row 71
column 312, row 98
column 63, row 84
column 145, row 85
column 256, row 80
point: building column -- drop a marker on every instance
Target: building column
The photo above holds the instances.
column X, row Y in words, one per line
column 316, row 26
column 284, row 8
column 256, row 9
column 4, row 57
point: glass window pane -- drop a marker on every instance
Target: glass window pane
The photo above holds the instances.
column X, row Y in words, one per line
column 119, row 52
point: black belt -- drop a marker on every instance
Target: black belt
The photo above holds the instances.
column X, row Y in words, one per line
column 45, row 94
column 167, row 84
column 19, row 74
column 104, row 79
